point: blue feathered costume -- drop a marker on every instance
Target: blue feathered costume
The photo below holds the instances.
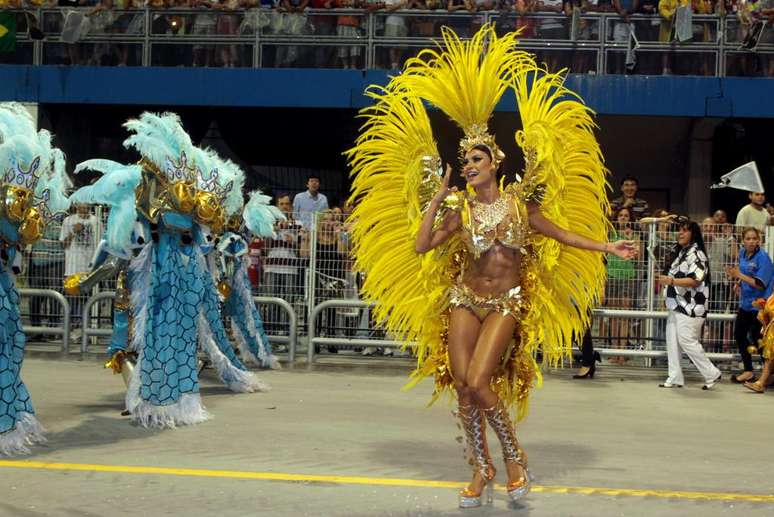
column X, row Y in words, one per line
column 32, row 190
column 259, row 217
column 163, row 209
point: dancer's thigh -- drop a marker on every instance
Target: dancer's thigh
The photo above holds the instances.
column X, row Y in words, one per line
column 464, row 328
column 496, row 333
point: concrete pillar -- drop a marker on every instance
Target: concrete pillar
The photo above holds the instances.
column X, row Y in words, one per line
column 697, row 193
column 32, row 107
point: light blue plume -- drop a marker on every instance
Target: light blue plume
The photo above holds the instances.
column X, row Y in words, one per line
column 22, row 145
column 259, row 215
column 57, row 183
column 234, row 175
column 15, row 120
column 116, row 189
column 204, row 162
column 158, row 137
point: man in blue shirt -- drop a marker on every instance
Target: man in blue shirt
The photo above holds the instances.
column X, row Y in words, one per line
column 306, row 203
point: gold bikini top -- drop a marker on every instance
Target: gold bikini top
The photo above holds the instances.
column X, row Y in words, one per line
column 504, row 221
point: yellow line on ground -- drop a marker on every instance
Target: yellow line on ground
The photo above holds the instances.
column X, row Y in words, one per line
column 359, row 480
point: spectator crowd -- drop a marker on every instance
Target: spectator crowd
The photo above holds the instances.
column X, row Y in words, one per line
column 572, row 20
column 735, row 271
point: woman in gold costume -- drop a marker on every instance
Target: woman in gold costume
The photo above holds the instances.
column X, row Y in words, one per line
column 479, row 280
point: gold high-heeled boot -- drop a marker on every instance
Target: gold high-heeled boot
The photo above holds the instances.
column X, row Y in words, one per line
column 501, row 424
column 475, row 435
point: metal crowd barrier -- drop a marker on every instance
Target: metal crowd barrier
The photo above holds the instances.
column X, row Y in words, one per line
column 87, row 331
column 314, row 339
column 64, row 330
column 291, row 340
column 656, row 315
column 321, row 38
column 306, row 282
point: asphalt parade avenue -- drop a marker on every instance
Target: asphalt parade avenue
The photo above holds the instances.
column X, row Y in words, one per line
column 346, row 441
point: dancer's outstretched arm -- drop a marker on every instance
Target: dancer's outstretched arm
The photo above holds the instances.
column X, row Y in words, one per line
column 624, row 249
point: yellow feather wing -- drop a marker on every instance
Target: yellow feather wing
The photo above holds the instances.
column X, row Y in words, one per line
column 395, row 169
column 563, row 155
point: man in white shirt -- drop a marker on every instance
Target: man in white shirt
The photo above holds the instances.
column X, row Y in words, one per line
column 80, row 235
column 307, row 203
column 281, row 265
column 754, row 214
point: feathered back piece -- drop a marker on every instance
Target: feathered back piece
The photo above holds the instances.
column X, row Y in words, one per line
column 116, row 189
column 260, row 215
column 162, row 140
column 396, row 172
column 233, row 175
column 562, row 154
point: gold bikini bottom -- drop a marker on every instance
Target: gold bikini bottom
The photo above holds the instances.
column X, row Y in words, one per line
column 509, row 303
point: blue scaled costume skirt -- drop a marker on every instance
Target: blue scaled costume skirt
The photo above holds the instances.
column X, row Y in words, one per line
column 175, row 308
column 18, row 426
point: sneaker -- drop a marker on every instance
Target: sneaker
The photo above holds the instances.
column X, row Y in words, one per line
column 667, row 384
column 369, row 350
column 710, row 384
column 388, row 351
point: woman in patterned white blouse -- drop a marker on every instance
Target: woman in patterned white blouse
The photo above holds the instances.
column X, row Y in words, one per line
column 686, row 289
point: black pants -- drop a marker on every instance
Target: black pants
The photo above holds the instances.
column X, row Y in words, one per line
column 45, row 276
column 587, row 349
column 747, row 330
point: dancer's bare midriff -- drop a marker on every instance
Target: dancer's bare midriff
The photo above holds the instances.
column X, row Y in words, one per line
column 495, row 272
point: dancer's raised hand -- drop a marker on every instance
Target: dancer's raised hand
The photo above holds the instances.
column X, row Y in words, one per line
column 444, row 190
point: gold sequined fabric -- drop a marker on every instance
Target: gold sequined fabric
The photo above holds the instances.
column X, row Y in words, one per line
column 509, row 303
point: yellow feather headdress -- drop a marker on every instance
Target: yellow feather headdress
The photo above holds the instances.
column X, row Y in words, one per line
column 466, row 80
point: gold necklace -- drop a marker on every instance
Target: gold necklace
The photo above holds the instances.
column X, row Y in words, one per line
column 487, row 217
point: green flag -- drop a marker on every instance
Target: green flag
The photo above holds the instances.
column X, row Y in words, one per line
column 7, row 32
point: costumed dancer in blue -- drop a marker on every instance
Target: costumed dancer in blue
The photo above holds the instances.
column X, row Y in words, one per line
column 166, row 281
column 32, row 186
column 218, row 182
column 259, row 217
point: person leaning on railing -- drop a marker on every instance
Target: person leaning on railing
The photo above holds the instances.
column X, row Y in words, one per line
column 331, row 255
column 667, row 10
column 722, row 251
column 348, row 26
column 660, row 250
